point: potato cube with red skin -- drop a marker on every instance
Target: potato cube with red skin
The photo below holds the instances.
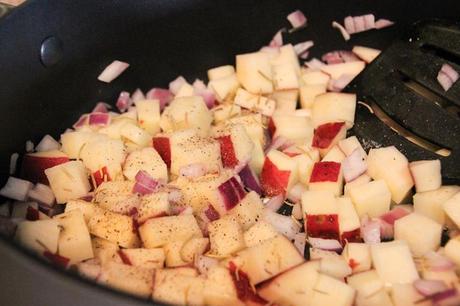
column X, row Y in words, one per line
column 308, row 93
column 328, row 135
column 358, row 256
column 259, row 232
column 235, row 145
column 334, row 107
column 452, row 250
column 327, row 176
column 349, row 223
column 334, row 155
column 279, row 173
column 131, row 279
column 426, row 174
column 220, row 289
column 39, row 236
column 348, row 145
column 321, row 213
column 144, row 258
column 153, row 205
column 34, row 165
column 370, row 289
column 163, row 146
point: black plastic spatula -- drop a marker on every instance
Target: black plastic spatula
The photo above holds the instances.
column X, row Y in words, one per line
column 401, row 87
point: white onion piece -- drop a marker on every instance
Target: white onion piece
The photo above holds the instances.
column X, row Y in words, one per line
column 99, row 119
column 325, row 244
column 160, row 94
column 208, row 96
column 370, row 230
column 124, row 101
column 315, row 64
column 339, row 84
column 112, row 71
column 297, row 19
column 137, row 95
column 300, row 240
column 13, row 163
column 29, row 146
column 438, row 262
column 16, row 189
column 175, row 85
column 42, row 194
column 342, row 30
column 302, row 48
column 447, row 76
column 277, row 40
column 145, row 184
column 204, row 263
column 193, row 170
column 429, row 287
column 295, row 193
column 369, row 21
column 82, row 121
column 174, row 195
column 354, row 165
column 383, row 23
column 275, row 203
column 283, row 224
column 360, row 26
column 101, row 107
column 349, row 24
column 47, row 143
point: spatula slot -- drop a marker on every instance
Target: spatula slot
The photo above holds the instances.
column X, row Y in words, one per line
column 440, row 52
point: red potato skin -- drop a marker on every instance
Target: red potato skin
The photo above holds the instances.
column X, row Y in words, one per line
column 124, row 258
column 228, row 156
column 229, row 194
column 244, row 290
column 163, row 147
column 211, row 213
column 351, row 236
column 101, row 176
column 325, row 172
column 32, row 214
column 325, row 134
column 271, row 127
column 273, row 180
column 33, row 167
column 56, row 259
column 323, row 226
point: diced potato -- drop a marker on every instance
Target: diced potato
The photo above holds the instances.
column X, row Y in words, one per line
column 258, row 233
column 131, row 279
column 39, row 236
column 225, row 236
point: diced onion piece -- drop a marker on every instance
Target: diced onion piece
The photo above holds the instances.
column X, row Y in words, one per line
column 277, row 40
column 101, row 107
column 302, row 48
column 386, row 229
column 99, row 119
column 438, row 262
column 369, row 21
column 383, row 23
column 279, row 143
column 449, row 297
column 193, row 170
column 394, row 214
column 204, row 263
column 42, row 194
column 249, row 179
column 16, row 189
column 82, row 121
column 339, row 84
column 137, row 95
column 297, row 19
column 447, row 76
column 13, row 163
column 295, row 193
column 359, row 24
column 145, row 184
column 349, row 24
column 342, row 30
column 370, row 230
column 314, row 63
column 29, row 146
column 325, row 244
column 354, row 165
column 112, row 71
column 162, row 95
column 300, row 240
column 207, row 94
column 275, row 203
column 175, row 85
column 283, row 224
column 124, row 101
column 47, row 143
column 429, row 287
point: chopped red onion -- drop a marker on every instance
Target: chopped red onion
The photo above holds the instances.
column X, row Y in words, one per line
column 295, row 193
column 124, row 101
column 47, row 143
column 349, row 24
column 275, row 203
column 383, row 23
column 99, row 119
column 300, row 240
column 277, row 40
column 339, row 56
column 354, row 165
column 438, row 262
column 342, row 30
column 145, row 184
column 82, row 121
column 13, row 163
column 297, row 19
column 16, row 189
column 394, row 214
column 283, row 224
column 193, row 170
column 449, row 297
column 325, row 244
column 101, row 107
column 211, row 213
column 302, row 48
column 29, row 146
column 447, row 76
column 174, row 195
column 339, row 84
column 360, row 26
column 175, row 85
column 137, row 95
column 369, row 21
column 208, row 96
column 204, row 263
column 370, row 230
column 42, row 194
column 386, row 229
column 88, row 198
column 314, row 63
column 112, row 71
column 187, row 210
column 429, row 287
column 163, row 95
column 249, row 179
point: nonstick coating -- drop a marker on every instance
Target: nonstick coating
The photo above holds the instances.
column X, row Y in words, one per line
column 160, row 39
